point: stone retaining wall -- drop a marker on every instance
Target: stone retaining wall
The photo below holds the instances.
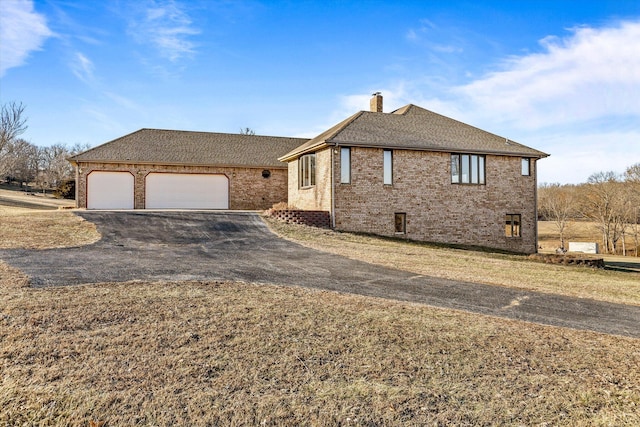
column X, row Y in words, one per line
column 569, row 260
column 320, row 219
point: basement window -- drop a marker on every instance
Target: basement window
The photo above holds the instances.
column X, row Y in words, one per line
column 307, row 170
column 401, row 223
column 512, row 224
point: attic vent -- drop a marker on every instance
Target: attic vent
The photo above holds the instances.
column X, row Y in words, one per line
column 376, row 103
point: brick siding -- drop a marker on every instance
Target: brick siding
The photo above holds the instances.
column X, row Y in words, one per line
column 317, row 197
column 248, row 189
column 435, row 209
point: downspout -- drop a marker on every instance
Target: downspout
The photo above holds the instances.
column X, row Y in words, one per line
column 333, row 189
column 535, row 200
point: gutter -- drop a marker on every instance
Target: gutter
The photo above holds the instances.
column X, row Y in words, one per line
column 333, row 189
column 160, row 163
column 535, row 154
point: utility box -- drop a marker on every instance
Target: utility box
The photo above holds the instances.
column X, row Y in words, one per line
column 584, row 247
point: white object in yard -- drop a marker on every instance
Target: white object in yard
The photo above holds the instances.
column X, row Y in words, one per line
column 186, row 191
column 584, row 247
column 109, row 190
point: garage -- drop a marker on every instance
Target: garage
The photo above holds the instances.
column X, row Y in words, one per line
column 110, row 190
column 186, row 191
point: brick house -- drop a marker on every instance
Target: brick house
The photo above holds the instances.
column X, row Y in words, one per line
column 153, row 168
column 419, row 175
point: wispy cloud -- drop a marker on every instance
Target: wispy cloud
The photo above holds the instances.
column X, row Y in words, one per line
column 82, row 67
column 22, row 30
column 434, row 38
column 593, row 73
column 166, row 26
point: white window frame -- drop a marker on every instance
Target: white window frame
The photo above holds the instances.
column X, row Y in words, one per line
column 307, row 170
column 387, row 167
column 345, row 165
column 526, row 166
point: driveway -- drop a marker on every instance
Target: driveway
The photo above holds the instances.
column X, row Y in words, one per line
column 175, row 246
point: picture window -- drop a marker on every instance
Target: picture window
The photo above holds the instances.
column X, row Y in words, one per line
column 467, row 169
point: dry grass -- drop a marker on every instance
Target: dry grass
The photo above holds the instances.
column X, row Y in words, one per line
column 576, row 231
column 210, row 353
column 241, row 354
column 479, row 267
column 34, row 229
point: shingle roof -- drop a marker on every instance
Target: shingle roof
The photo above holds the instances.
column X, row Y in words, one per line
column 415, row 128
column 192, row 148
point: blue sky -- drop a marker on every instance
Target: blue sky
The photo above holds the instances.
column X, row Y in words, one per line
column 560, row 76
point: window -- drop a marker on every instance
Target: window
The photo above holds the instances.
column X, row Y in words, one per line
column 526, row 167
column 467, row 169
column 345, row 165
column 401, row 223
column 307, row 170
column 512, row 225
column 387, row 162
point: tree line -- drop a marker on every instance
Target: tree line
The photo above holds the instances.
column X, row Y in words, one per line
column 608, row 199
column 23, row 162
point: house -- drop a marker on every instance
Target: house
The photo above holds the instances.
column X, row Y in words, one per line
column 419, row 175
column 410, row 173
column 162, row 169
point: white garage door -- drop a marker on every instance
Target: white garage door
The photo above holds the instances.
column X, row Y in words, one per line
column 109, row 190
column 186, row 191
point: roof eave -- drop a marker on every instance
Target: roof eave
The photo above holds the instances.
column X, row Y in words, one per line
column 218, row 165
column 297, row 153
column 536, row 154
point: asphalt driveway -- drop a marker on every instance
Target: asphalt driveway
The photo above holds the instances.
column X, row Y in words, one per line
column 175, row 246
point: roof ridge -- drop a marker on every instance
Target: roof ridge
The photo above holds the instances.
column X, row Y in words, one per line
column 343, row 124
column 403, row 110
column 214, row 133
column 105, row 143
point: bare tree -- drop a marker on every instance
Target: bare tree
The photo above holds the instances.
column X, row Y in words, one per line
column 23, row 162
column 557, row 203
column 247, row 131
column 599, row 205
column 632, row 174
column 12, row 124
column 632, row 181
column 53, row 164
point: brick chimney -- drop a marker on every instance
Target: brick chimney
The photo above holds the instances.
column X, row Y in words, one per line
column 376, row 103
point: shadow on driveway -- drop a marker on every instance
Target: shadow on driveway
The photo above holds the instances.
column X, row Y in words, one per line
column 176, row 246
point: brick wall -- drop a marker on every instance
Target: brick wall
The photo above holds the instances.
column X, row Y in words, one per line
column 436, row 210
column 317, row 197
column 248, row 189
